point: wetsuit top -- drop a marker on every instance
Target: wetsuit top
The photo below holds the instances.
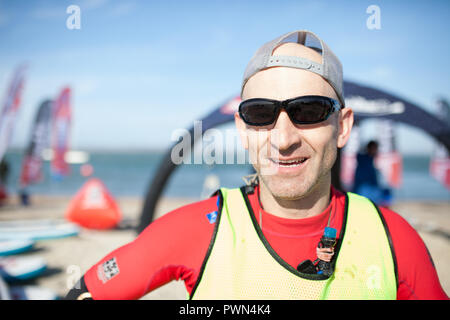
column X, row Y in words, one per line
column 365, row 172
column 174, row 246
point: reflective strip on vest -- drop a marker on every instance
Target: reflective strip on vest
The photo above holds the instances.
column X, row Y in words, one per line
column 241, row 264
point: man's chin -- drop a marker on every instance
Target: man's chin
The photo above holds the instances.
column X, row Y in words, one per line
column 286, row 188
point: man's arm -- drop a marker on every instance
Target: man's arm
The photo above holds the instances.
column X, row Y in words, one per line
column 171, row 248
column 79, row 291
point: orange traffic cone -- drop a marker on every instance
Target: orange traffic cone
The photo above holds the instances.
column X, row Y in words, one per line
column 94, row 207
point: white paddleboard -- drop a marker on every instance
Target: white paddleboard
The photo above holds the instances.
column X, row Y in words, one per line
column 32, row 293
column 10, row 247
column 37, row 229
column 18, row 268
column 4, row 290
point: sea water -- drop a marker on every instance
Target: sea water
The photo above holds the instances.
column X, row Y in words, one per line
column 130, row 174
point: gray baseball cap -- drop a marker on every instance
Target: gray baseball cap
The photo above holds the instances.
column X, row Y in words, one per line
column 330, row 68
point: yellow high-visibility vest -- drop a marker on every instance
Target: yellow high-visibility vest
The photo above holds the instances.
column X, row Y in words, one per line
column 240, row 263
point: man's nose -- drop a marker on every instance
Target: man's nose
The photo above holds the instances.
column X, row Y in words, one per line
column 285, row 135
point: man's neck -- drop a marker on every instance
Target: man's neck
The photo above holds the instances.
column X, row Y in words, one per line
column 314, row 203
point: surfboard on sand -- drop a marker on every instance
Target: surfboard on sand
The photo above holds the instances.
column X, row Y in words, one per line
column 10, row 247
column 27, row 292
column 37, row 229
column 4, row 290
column 32, row 293
column 17, row 268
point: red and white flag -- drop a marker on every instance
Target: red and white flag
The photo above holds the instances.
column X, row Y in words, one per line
column 389, row 161
column 10, row 107
column 32, row 161
column 440, row 162
column 60, row 133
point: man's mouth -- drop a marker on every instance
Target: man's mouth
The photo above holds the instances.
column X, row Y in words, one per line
column 289, row 163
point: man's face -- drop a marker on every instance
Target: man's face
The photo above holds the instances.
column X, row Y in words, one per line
column 314, row 145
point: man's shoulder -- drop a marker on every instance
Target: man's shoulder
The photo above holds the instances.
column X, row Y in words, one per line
column 405, row 237
column 395, row 220
column 178, row 223
column 190, row 211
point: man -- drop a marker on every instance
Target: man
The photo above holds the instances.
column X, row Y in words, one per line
column 261, row 241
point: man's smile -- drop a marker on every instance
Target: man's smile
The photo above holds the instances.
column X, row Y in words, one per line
column 289, row 165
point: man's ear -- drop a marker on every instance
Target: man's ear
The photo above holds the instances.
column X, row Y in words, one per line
column 345, row 126
column 241, row 127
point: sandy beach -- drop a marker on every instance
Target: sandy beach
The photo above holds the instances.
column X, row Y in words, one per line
column 69, row 258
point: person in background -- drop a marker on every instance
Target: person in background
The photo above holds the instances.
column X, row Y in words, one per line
column 4, row 173
column 366, row 181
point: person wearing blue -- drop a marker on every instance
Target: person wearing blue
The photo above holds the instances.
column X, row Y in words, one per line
column 366, row 181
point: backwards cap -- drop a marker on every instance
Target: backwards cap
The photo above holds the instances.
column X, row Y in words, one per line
column 330, row 68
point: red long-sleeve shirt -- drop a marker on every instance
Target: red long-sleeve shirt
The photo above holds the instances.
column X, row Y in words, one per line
column 174, row 246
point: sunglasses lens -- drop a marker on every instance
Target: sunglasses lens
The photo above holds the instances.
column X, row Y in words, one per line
column 309, row 110
column 258, row 112
column 302, row 110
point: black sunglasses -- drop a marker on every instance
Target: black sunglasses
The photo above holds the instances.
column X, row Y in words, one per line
column 301, row 110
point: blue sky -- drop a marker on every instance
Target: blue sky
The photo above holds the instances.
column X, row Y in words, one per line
column 141, row 69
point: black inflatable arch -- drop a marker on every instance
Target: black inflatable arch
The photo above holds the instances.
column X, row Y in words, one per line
column 366, row 102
